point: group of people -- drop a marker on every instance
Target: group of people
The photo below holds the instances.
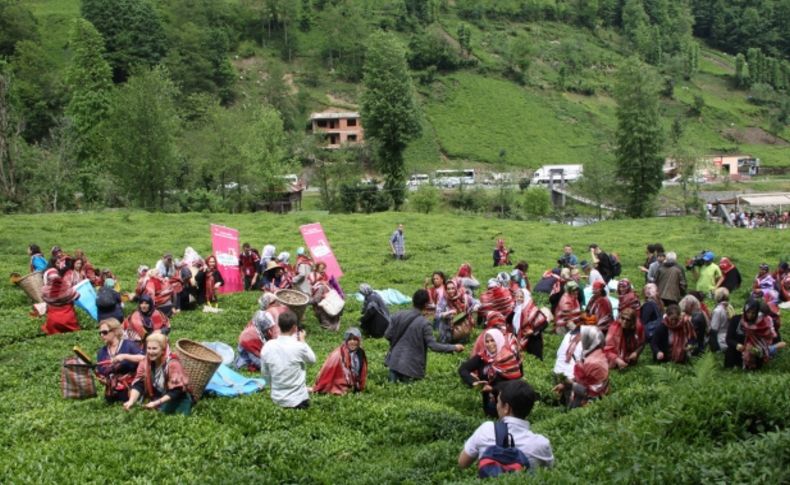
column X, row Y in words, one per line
column 753, row 220
column 599, row 332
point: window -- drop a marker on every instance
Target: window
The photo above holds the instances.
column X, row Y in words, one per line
column 351, row 122
column 321, row 123
column 333, row 124
column 351, row 137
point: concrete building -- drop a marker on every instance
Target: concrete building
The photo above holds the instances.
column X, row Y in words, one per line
column 339, row 127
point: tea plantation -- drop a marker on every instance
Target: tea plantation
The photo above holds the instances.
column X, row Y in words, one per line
column 660, row 424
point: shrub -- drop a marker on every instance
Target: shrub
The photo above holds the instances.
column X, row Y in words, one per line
column 425, row 199
column 536, row 202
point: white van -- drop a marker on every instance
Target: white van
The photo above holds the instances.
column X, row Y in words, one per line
column 571, row 173
column 417, row 179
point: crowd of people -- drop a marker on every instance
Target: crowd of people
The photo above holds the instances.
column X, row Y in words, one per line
column 603, row 322
column 753, row 220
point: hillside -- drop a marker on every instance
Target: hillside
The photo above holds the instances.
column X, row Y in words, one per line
column 474, row 114
column 659, row 424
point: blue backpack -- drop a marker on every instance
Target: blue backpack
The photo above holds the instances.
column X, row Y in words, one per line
column 503, row 457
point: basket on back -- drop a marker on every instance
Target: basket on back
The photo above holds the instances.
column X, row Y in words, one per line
column 295, row 300
column 32, row 284
column 199, row 363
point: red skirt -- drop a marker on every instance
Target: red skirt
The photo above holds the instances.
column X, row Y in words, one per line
column 60, row 319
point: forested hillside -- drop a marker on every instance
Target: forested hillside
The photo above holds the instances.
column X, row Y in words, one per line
column 198, row 104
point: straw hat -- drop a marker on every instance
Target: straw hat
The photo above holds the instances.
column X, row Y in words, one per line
column 271, row 266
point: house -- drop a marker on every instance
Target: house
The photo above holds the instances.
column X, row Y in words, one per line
column 338, row 127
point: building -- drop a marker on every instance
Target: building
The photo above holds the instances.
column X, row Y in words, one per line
column 338, row 127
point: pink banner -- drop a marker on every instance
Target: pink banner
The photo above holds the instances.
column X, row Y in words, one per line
column 317, row 243
column 225, row 245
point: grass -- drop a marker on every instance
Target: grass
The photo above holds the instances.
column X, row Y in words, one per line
column 682, row 424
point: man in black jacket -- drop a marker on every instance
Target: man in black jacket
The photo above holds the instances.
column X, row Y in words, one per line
column 410, row 336
column 604, row 265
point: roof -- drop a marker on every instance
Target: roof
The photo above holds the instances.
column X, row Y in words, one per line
column 333, row 115
column 767, row 200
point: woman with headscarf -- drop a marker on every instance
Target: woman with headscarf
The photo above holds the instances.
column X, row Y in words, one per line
column 145, row 321
column 468, row 281
column 675, row 337
column 501, row 254
column 497, row 321
column 142, row 282
column 275, row 278
column 731, row 277
column 375, row 317
column 719, row 322
column 759, row 335
column 116, row 362
column 346, row 368
column 302, row 269
column 600, row 307
column 590, row 374
column 259, row 330
column 693, row 310
column 320, row 289
column 784, row 289
column 83, row 268
column 627, row 296
column 533, row 321
column 160, row 379
column 59, row 295
column 160, row 289
column 652, row 310
column 764, row 280
column 454, row 312
column 268, row 253
column 625, row 340
column 284, row 260
column 496, row 298
column 523, row 268
column 493, row 364
column 435, row 288
column 208, row 280
column 569, row 310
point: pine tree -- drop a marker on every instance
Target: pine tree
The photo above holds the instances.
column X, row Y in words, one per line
column 639, row 137
column 741, row 75
column 389, row 109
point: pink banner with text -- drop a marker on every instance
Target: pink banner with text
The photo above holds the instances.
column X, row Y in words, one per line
column 317, row 243
column 225, row 245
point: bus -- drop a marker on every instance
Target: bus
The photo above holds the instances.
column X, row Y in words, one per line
column 454, row 178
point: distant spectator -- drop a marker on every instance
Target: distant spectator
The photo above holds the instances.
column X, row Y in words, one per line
column 398, row 243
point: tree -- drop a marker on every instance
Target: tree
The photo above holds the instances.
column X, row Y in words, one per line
column 389, row 109
column 37, row 90
column 11, row 146
column 89, row 80
column 140, row 130
column 240, row 152
column 465, row 39
column 536, row 202
column 639, row 137
column 598, row 183
column 17, row 23
column 132, row 32
column 741, row 74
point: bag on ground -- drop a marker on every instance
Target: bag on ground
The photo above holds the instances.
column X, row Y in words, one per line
column 76, row 379
column 332, row 303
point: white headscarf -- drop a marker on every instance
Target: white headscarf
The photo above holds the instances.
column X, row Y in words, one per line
column 592, row 338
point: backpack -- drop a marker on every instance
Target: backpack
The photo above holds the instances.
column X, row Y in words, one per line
column 503, row 457
column 105, row 298
column 617, row 267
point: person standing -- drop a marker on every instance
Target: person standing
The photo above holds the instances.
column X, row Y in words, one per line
column 410, row 336
column 671, row 281
column 249, row 262
column 398, row 243
column 284, row 361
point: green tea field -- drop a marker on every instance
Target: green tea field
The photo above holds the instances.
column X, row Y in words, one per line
column 660, row 424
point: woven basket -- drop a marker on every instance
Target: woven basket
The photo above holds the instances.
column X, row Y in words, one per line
column 295, row 300
column 32, row 285
column 199, row 363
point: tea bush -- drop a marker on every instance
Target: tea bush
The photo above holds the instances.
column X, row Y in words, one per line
column 660, row 424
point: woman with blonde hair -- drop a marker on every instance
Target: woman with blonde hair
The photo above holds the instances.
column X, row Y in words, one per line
column 116, row 362
column 161, row 380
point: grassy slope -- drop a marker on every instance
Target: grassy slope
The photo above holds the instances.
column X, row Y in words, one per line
column 534, row 125
column 654, row 418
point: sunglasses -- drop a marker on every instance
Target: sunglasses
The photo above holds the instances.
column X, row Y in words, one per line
column 103, row 332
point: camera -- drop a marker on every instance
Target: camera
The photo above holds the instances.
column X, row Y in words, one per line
column 697, row 261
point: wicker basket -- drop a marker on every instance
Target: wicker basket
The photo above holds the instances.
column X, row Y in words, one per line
column 295, row 300
column 32, row 285
column 199, row 362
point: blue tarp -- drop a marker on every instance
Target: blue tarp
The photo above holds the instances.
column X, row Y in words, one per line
column 229, row 383
column 390, row 297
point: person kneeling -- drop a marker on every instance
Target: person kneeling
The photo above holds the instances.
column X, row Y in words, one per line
column 160, row 379
column 346, row 368
column 515, row 400
column 494, row 364
column 591, row 374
